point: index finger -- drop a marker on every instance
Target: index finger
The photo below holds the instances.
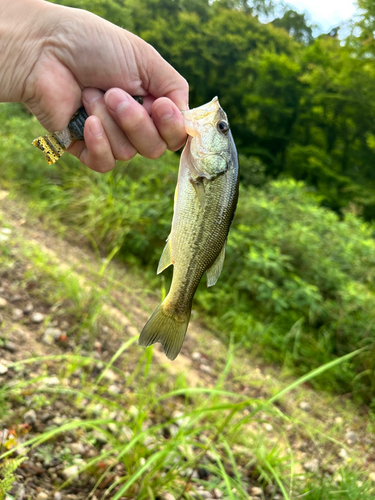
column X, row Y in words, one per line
column 159, row 78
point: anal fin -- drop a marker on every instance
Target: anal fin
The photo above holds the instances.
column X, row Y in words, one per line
column 214, row 271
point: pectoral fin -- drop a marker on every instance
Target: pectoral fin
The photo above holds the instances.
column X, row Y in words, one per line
column 166, row 257
column 200, row 192
column 214, row 271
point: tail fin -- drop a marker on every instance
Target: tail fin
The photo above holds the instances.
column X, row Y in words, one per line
column 50, row 146
column 167, row 328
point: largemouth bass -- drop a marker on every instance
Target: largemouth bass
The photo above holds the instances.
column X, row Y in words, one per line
column 205, row 202
column 55, row 144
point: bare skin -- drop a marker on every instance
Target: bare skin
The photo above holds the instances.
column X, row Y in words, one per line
column 54, row 59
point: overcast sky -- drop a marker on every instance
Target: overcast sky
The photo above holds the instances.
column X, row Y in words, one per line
column 328, row 13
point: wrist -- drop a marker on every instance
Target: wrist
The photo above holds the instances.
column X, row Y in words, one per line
column 22, row 36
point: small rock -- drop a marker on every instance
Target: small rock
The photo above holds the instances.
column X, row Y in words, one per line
column 112, row 427
column 267, row 427
column 371, row 476
column 196, row 356
column 127, row 433
column 57, row 496
column 6, row 230
column 337, row 478
column 58, row 421
column 115, row 389
column 181, row 419
column 52, row 381
column 110, row 375
column 16, row 298
column 30, row 417
column 48, row 336
column 133, row 411
column 3, row 369
column 17, row 314
column 270, row 489
column 51, row 335
column 338, row 420
column 204, row 493
column 256, row 491
column 305, row 406
column 331, row 469
column 311, row 466
column 77, row 448
column 28, row 308
column 98, row 346
column 204, row 474
column 218, row 493
column 351, row 437
column 10, row 346
column 343, row 453
column 42, row 496
column 37, row 317
column 3, row 303
column 17, row 491
column 205, row 368
column 44, row 417
column 168, row 496
column 70, row 472
column 297, row 469
column 100, row 438
column 97, row 410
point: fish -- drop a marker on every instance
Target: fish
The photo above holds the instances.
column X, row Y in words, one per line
column 55, row 144
column 204, row 205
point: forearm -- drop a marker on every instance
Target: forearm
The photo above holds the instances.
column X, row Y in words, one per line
column 23, row 31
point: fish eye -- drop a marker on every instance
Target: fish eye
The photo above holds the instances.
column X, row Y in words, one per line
column 223, row 127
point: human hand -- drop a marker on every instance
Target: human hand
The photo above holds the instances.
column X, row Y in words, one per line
column 56, row 57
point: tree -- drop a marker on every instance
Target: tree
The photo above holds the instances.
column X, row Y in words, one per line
column 296, row 25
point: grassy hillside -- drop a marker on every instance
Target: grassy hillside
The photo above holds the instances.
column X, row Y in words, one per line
column 85, row 410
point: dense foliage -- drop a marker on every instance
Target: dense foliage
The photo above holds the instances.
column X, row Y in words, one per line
column 298, row 285
column 302, row 107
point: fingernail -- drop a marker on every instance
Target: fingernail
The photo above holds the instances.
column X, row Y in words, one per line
column 116, row 100
column 164, row 111
column 96, row 128
column 91, row 95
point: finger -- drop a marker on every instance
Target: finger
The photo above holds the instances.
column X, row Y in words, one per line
column 159, row 78
column 95, row 152
column 136, row 123
column 169, row 122
column 122, row 149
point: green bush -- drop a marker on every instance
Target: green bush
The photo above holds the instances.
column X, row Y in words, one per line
column 298, row 281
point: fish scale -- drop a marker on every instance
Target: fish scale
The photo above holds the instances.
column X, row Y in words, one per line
column 205, row 202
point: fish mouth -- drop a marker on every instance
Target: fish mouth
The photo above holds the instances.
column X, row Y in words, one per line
column 202, row 113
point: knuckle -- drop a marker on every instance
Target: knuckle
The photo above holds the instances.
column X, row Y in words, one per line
column 157, row 152
column 102, row 166
column 125, row 153
column 136, row 123
column 185, row 85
